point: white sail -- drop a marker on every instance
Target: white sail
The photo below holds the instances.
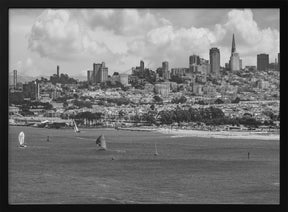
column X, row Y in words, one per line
column 75, row 127
column 21, row 138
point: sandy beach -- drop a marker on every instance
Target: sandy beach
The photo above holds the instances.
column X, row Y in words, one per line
column 221, row 134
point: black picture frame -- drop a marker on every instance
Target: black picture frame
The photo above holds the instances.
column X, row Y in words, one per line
column 5, row 5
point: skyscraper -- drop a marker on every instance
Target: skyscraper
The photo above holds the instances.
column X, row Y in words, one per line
column 262, row 62
column 278, row 61
column 15, row 78
column 141, row 65
column 214, row 60
column 98, row 74
column 234, row 62
column 58, row 71
column 165, row 70
column 194, row 60
column 89, row 74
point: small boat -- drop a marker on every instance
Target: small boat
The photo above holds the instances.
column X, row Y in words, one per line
column 75, row 127
column 21, row 139
column 101, row 142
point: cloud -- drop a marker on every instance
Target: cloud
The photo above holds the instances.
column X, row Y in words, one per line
column 56, row 35
column 252, row 40
column 128, row 22
column 123, row 37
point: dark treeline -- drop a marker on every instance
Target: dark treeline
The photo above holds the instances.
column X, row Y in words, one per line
column 63, row 79
column 209, row 116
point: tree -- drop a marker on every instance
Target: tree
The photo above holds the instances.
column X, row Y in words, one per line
column 236, row 100
column 180, row 100
column 16, row 98
column 149, row 117
column 158, row 99
column 219, row 101
column 65, row 104
column 121, row 114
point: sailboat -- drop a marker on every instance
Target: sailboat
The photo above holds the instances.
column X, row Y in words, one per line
column 21, row 138
column 75, row 127
column 156, row 152
column 101, row 142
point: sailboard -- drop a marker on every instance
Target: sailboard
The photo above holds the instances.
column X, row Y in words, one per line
column 21, row 139
column 101, row 142
column 75, row 127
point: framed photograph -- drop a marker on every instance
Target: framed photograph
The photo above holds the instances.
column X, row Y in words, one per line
column 175, row 104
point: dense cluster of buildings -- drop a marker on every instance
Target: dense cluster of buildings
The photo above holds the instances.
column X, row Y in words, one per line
column 203, row 81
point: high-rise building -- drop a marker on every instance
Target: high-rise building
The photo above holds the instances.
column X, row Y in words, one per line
column 141, row 65
column 234, row 62
column 98, row 74
column 262, row 62
column 14, row 78
column 214, row 60
column 194, row 60
column 278, row 61
column 165, row 70
column 101, row 73
column 89, row 75
column 58, row 69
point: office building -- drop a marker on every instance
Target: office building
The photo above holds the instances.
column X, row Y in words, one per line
column 98, row 74
column 262, row 62
column 194, row 60
column 278, row 61
column 234, row 62
column 15, row 78
column 89, row 75
column 214, row 61
column 142, row 65
column 58, row 70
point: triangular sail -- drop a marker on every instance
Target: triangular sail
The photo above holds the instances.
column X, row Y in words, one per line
column 101, row 142
column 21, row 138
column 75, row 127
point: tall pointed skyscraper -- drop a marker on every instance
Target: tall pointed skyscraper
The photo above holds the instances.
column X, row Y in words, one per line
column 234, row 58
column 233, row 49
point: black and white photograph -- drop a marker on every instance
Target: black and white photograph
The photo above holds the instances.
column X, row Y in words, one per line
column 144, row 106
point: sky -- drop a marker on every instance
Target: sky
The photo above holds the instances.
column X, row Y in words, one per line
column 74, row 39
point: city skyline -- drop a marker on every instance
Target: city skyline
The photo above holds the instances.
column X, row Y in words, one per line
column 74, row 39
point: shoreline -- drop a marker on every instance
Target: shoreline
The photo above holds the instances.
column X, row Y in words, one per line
column 220, row 134
column 178, row 133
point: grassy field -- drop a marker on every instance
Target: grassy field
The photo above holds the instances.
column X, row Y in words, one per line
column 70, row 170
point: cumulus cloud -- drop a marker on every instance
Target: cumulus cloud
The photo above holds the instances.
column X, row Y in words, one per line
column 128, row 22
column 253, row 40
column 55, row 35
column 123, row 37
